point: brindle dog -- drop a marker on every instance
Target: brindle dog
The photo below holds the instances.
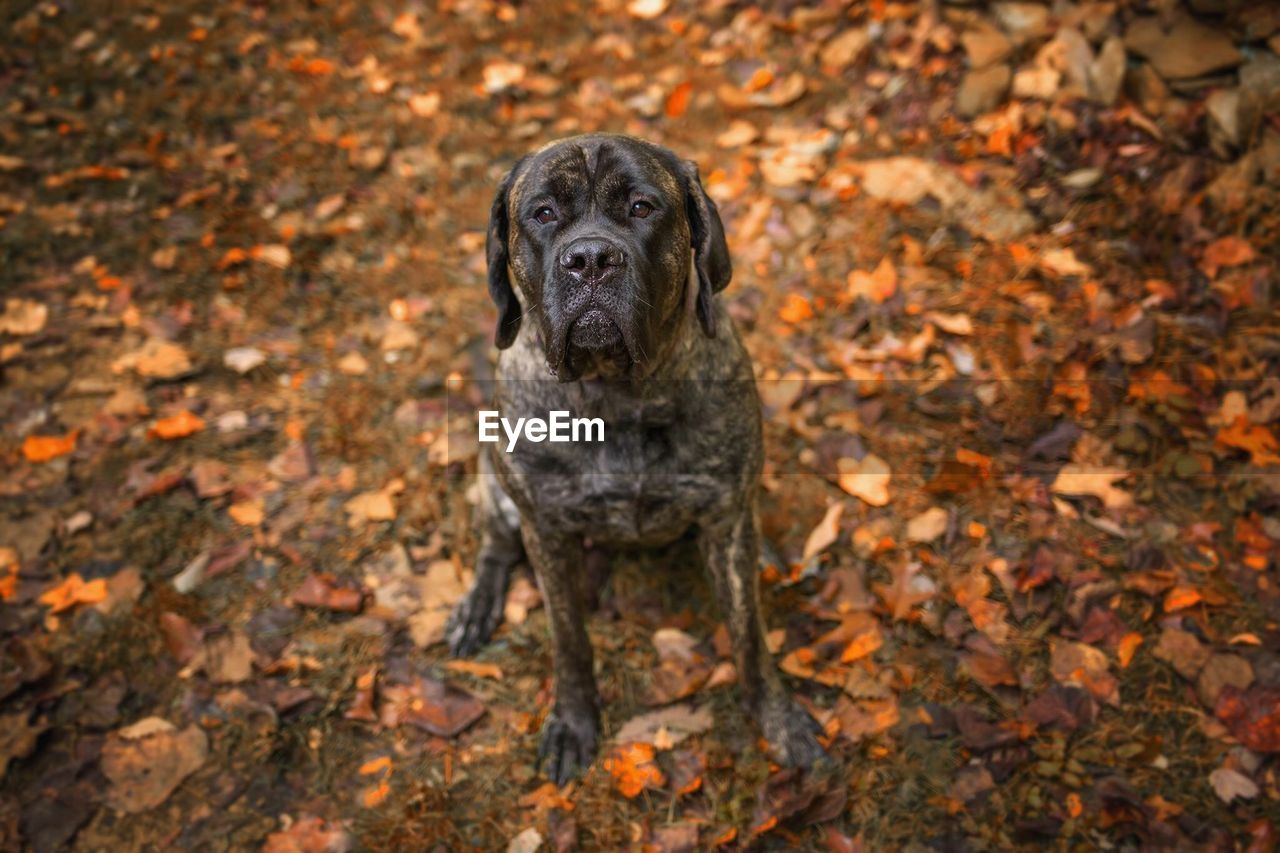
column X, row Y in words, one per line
column 618, row 255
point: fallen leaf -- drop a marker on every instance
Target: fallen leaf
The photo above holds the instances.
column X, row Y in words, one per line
column 928, row 525
column 433, row 706
column 1257, row 440
column 243, row 359
column 320, row 591
column 1063, row 262
column 159, row 359
column 145, row 762
column 180, row 425
column 1226, row 252
column 867, row 479
column 908, row 589
column 1252, row 716
column 309, row 834
column 522, row 597
column 825, row 533
column 476, row 668
column 369, row 506
column 250, row 512
column 17, row 737
column 1098, row 481
column 42, row 448
column 272, row 254
column 633, row 769
column 23, row 317
column 795, row 310
column 647, row 9
column 1229, row 784
column 527, row 841
column 876, row 286
column 1082, row 665
column 677, row 721
column 72, row 591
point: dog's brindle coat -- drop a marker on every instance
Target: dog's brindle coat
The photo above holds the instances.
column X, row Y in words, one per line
column 599, row 232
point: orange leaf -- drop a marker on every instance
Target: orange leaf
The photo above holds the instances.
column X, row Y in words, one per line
column 678, row 100
column 73, row 591
column 1259, row 441
column 376, row 765
column 232, row 257
column 765, row 825
column 249, row 513
column 760, row 78
column 182, row 424
column 725, row 837
column 1226, row 252
column 476, row 668
column 632, row 768
column 1128, row 646
column 42, row 448
column 374, row 796
column 796, row 309
column 1074, row 806
column 1181, row 597
column 877, row 285
column 862, row 645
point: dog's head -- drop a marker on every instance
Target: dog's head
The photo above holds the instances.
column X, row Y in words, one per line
column 598, row 231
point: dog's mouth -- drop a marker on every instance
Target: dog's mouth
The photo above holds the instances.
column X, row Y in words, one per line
column 593, row 343
column 594, row 330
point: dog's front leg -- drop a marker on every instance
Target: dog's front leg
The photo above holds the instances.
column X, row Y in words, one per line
column 571, row 731
column 731, row 550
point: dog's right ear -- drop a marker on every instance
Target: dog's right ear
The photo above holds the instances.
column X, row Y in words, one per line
column 498, row 256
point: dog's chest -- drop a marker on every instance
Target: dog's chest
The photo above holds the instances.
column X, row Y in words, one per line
column 661, row 468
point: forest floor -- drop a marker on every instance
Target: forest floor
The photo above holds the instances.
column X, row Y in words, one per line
column 1008, row 275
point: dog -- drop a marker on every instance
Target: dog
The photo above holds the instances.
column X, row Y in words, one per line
column 617, row 255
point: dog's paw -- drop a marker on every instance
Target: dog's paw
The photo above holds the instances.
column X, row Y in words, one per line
column 473, row 621
column 568, row 745
column 793, row 735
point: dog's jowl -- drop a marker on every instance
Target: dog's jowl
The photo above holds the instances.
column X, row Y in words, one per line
column 605, row 260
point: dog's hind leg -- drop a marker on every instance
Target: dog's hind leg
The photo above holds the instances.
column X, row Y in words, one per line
column 479, row 614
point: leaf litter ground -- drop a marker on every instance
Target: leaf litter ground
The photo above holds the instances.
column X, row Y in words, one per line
column 1008, row 278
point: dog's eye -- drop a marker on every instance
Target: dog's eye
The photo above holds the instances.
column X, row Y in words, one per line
column 543, row 215
column 641, row 209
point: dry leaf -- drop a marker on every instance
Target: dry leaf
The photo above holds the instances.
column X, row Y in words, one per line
column 183, row 424
column 42, row 448
column 72, row 591
column 633, row 769
column 1095, row 480
column 867, row 479
column 23, row 317
column 826, row 532
column 928, row 525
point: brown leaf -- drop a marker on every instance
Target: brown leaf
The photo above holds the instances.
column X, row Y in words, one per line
column 433, row 706
column 145, row 762
column 1252, row 716
column 17, row 737
column 320, row 591
column 677, row 721
column 309, row 834
column 181, row 638
column 1085, row 666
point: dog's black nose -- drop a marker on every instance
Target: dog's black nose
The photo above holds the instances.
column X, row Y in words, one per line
column 591, row 260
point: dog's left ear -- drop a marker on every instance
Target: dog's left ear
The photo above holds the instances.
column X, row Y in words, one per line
column 498, row 256
column 710, row 251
